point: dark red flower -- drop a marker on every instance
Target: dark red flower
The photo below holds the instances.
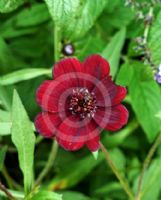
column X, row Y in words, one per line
column 79, row 102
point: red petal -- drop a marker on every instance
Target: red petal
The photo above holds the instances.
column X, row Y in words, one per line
column 93, row 144
column 53, row 95
column 96, row 66
column 112, row 118
column 66, row 66
column 73, row 133
column 47, row 123
column 120, row 95
column 72, row 146
column 105, row 91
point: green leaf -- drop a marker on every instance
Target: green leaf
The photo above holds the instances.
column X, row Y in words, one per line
column 112, row 51
column 84, row 18
column 117, row 14
column 8, row 61
column 62, row 11
column 25, row 46
column 151, row 182
column 8, row 29
column 22, row 75
column 47, row 195
column 4, row 116
column 3, row 151
column 118, row 157
column 145, row 98
column 125, row 74
column 75, row 15
column 134, row 166
column 154, row 40
column 89, row 45
column 71, row 195
column 6, row 97
column 108, row 188
column 120, row 136
column 6, row 123
column 24, row 139
column 35, row 15
column 69, row 177
column 9, row 5
column 5, row 128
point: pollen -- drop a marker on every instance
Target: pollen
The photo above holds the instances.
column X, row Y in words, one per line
column 82, row 103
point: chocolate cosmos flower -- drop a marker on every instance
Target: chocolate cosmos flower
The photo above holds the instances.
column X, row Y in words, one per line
column 79, row 102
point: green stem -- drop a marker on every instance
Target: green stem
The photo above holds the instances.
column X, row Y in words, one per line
column 7, row 177
column 39, row 139
column 147, row 27
column 6, row 192
column 11, row 183
column 54, row 149
column 16, row 194
column 122, row 181
column 56, row 44
column 49, row 164
column 146, row 164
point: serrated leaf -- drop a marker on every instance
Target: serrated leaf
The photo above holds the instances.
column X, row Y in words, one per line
column 22, row 75
column 62, row 11
column 75, row 15
column 112, row 51
column 84, row 18
column 9, row 5
column 24, row 139
column 145, row 98
column 154, row 40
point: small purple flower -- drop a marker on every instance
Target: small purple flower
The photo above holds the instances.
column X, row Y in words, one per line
column 157, row 76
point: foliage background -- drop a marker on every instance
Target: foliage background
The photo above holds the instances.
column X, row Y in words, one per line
column 29, row 33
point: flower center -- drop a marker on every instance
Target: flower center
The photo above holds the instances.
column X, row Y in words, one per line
column 83, row 103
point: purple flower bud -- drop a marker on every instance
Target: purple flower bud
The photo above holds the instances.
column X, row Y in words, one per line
column 68, row 49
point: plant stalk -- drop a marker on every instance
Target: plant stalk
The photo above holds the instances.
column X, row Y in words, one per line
column 56, row 44
column 5, row 190
column 122, row 181
column 146, row 164
column 49, row 164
